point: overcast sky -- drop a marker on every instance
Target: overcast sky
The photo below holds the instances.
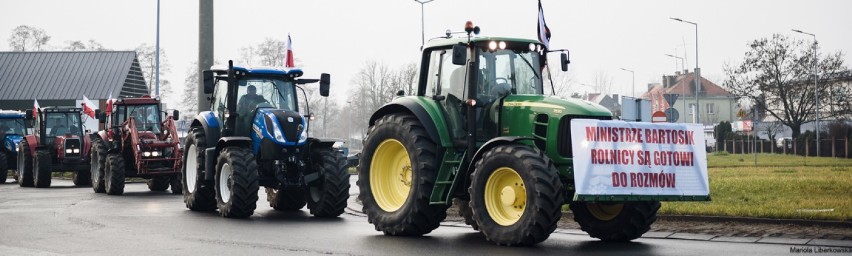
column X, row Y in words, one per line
column 339, row 36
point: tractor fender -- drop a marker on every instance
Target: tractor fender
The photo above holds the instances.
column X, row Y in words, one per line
column 406, row 105
column 207, row 122
column 491, row 144
column 319, row 143
column 32, row 142
column 233, row 141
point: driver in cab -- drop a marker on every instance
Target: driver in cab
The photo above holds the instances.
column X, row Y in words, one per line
column 248, row 102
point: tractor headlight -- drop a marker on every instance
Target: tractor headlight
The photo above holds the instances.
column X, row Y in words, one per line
column 146, row 154
column 155, row 153
column 337, row 145
column 68, row 151
column 76, row 151
column 276, row 130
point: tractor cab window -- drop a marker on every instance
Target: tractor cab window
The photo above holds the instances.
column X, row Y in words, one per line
column 505, row 72
column 59, row 124
column 11, row 126
column 256, row 91
column 146, row 117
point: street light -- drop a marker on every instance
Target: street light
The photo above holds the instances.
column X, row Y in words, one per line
column 697, row 70
column 816, row 89
column 682, row 89
column 632, row 74
column 422, row 22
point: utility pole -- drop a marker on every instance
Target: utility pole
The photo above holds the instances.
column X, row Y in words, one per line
column 157, row 91
column 205, row 48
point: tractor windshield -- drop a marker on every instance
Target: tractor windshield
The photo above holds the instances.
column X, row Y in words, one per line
column 62, row 123
column 504, row 72
column 147, row 117
column 11, row 126
column 255, row 91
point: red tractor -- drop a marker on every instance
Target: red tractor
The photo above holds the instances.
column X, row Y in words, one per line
column 138, row 140
column 56, row 145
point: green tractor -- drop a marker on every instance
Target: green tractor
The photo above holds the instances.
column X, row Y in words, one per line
column 480, row 133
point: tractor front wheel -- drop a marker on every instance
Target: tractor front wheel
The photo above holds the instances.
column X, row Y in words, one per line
column 285, row 199
column 516, row 195
column 42, row 169
column 328, row 197
column 114, row 174
column 158, row 183
column 82, row 177
column 25, row 165
column 236, row 183
column 616, row 222
column 198, row 193
column 4, row 166
column 396, row 176
column 175, row 184
column 97, row 162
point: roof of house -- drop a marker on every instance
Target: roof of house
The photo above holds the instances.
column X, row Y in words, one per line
column 70, row 75
column 685, row 85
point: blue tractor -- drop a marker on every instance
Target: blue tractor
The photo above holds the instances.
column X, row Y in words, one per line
column 11, row 132
column 253, row 135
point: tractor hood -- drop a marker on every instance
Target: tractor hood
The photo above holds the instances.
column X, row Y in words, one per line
column 284, row 127
column 10, row 141
column 554, row 105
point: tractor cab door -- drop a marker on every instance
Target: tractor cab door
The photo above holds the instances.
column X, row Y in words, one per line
column 219, row 105
column 445, row 83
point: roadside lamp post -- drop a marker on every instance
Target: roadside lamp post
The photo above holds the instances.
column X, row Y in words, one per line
column 816, row 89
column 682, row 89
column 633, row 75
column 697, row 74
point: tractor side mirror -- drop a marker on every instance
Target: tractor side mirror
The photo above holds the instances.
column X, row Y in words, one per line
column 400, row 93
column 175, row 115
column 100, row 115
column 207, row 75
column 565, row 61
column 459, row 54
column 325, row 83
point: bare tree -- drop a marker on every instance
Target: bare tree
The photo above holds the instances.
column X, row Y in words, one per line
column 78, row 45
column 271, row 52
column 563, row 83
column 25, row 38
column 772, row 129
column 603, row 82
column 776, row 74
column 189, row 105
column 376, row 84
column 146, row 54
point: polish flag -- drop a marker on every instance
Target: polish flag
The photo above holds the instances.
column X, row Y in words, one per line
column 109, row 104
column 289, row 63
column 88, row 107
column 36, row 107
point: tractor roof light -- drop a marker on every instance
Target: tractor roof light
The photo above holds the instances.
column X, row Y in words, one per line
column 502, row 45
column 492, row 46
column 470, row 28
column 532, row 47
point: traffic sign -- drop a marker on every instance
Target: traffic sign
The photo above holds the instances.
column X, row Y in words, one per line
column 671, row 98
column 672, row 115
column 658, row 117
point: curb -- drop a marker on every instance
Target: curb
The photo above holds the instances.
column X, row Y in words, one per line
column 750, row 220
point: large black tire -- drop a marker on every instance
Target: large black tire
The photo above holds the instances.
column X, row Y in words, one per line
column 97, row 162
column 41, row 169
column 415, row 216
column 158, row 183
column 285, row 200
column 4, row 166
column 25, row 165
column 466, row 212
column 524, row 176
column 198, row 193
column 114, row 174
column 328, row 197
column 618, row 222
column 82, row 177
column 236, row 182
column 175, row 184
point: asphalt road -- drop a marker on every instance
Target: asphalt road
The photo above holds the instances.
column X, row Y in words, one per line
column 75, row 221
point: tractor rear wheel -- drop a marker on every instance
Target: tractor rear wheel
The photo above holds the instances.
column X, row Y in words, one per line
column 25, row 165
column 97, row 161
column 4, row 166
column 114, row 174
column 285, row 199
column 236, row 182
column 616, row 222
column 42, row 169
column 396, row 176
column 328, row 197
column 516, row 195
column 198, row 193
column 158, row 183
column 175, row 184
column 82, row 177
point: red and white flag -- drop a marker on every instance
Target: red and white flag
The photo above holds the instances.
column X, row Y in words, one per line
column 109, row 104
column 88, row 107
column 36, row 107
column 289, row 62
column 543, row 30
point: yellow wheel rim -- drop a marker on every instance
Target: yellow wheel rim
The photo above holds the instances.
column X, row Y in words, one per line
column 390, row 175
column 505, row 196
column 604, row 211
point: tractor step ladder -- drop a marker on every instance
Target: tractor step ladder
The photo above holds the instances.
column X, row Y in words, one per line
column 447, row 175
